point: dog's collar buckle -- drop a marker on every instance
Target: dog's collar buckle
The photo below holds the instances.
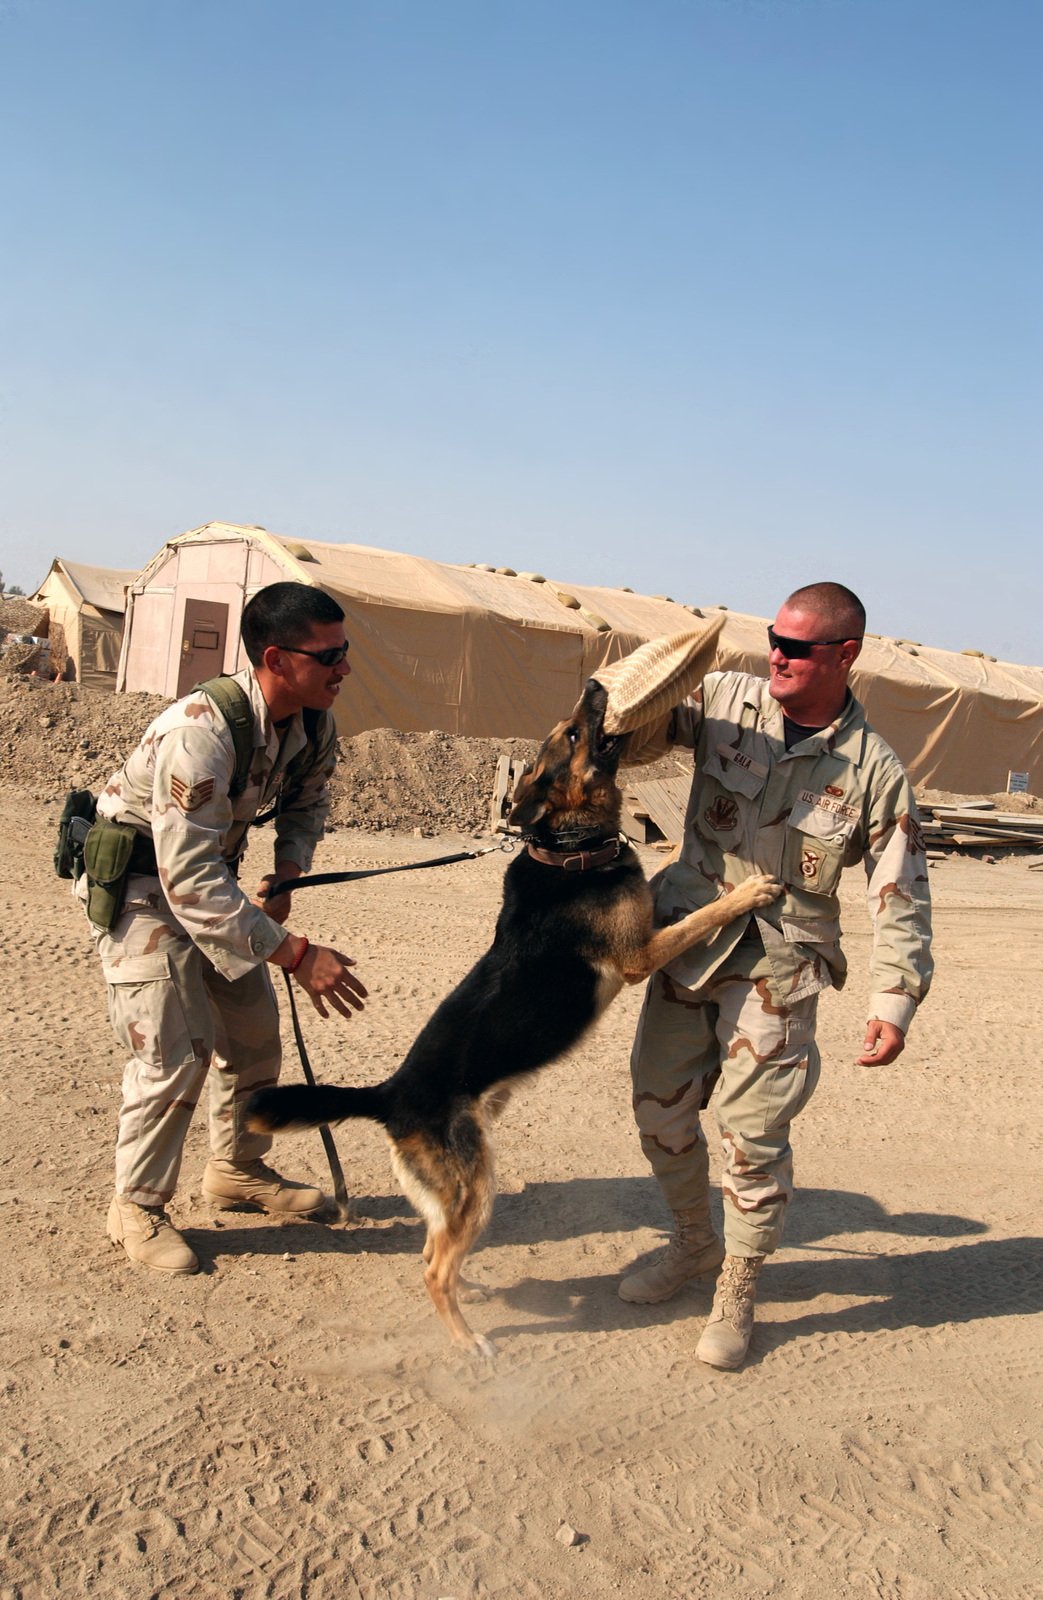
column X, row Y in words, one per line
column 577, row 860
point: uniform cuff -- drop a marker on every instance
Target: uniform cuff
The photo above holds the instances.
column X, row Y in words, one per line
column 298, row 854
column 899, row 1009
column 264, row 939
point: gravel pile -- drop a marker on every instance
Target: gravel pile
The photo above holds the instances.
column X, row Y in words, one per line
column 60, row 736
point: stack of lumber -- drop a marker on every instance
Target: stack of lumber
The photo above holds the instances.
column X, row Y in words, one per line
column 654, row 811
column 978, row 824
column 508, row 770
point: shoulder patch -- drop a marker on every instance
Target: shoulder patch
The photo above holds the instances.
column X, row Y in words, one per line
column 723, row 815
column 190, row 796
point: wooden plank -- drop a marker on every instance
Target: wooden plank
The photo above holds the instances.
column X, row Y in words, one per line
column 661, row 804
column 1005, row 835
column 991, row 841
column 508, row 770
column 500, row 786
column 990, row 819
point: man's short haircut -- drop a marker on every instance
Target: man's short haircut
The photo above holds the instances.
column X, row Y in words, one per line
column 284, row 613
column 842, row 610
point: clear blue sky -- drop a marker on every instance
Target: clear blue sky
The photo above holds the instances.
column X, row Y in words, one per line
column 708, row 297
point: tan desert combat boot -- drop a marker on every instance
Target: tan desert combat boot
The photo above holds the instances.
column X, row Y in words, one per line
column 726, row 1337
column 251, row 1183
column 149, row 1237
column 694, row 1249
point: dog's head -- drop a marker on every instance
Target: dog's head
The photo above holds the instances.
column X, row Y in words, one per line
column 572, row 782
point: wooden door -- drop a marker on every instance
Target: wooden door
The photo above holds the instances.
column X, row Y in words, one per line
column 202, row 643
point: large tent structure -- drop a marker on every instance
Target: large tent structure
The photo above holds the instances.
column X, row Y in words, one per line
column 84, row 607
column 493, row 653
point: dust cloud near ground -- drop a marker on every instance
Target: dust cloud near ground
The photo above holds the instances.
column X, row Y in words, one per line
column 293, row 1423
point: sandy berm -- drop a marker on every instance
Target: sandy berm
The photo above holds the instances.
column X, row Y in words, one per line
column 292, row 1422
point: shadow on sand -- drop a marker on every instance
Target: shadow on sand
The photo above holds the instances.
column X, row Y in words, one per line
column 893, row 1287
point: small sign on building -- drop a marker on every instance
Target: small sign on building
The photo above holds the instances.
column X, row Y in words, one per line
column 1017, row 783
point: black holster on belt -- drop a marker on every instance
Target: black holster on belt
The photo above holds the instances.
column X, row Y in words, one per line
column 111, row 853
column 78, row 815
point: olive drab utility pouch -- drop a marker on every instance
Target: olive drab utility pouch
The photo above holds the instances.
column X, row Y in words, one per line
column 106, row 860
column 78, row 814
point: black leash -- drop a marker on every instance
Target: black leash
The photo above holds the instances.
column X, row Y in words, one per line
column 290, row 885
column 340, row 1188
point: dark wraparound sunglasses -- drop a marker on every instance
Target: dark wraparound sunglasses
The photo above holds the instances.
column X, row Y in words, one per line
column 325, row 658
column 798, row 649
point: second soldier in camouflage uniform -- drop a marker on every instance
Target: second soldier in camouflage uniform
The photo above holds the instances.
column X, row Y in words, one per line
column 792, row 781
column 186, row 964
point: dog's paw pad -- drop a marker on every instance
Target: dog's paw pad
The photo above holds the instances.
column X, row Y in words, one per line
column 484, row 1347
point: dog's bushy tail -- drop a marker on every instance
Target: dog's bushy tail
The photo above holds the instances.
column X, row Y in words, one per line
column 299, row 1106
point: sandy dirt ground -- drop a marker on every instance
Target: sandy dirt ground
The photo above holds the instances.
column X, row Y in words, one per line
column 292, row 1422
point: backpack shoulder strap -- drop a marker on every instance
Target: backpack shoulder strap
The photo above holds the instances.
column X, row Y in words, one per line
column 234, row 705
column 304, row 760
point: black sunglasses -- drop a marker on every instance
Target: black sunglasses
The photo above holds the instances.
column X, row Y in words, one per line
column 798, row 649
column 325, row 658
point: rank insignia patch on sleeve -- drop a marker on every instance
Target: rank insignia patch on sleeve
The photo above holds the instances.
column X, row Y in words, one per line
column 190, row 796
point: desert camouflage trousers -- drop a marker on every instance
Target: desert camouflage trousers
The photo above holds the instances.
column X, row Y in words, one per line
column 767, row 1063
column 183, row 1023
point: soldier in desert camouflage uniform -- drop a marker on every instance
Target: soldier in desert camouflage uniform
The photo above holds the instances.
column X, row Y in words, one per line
column 186, row 964
column 790, row 780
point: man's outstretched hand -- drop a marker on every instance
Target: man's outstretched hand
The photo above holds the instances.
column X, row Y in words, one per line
column 884, row 1042
column 326, row 977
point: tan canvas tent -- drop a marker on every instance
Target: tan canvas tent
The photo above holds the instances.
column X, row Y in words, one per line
column 432, row 646
column 492, row 653
column 86, row 605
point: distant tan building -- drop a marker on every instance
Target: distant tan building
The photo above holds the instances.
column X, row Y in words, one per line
column 493, row 653
column 85, row 607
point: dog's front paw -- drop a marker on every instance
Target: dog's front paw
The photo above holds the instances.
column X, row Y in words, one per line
column 760, row 890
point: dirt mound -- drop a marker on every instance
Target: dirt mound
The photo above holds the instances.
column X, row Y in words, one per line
column 64, row 736
column 436, row 782
column 24, row 648
column 18, row 616
column 1000, row 801
column 60, row 736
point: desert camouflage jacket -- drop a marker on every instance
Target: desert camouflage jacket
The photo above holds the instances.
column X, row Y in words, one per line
column 839, row 797
column 175, row 788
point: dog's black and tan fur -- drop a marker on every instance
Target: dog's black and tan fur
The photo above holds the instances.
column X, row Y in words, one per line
column 566, row 941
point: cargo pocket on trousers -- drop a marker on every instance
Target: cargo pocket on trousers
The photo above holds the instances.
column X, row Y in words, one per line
column 796, row 1076
column 146, row 1011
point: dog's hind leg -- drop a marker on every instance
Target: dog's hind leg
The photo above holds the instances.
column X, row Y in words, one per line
column 469, row 1292
column 454, row 1194
column 445, row 1251
column 464, row 1219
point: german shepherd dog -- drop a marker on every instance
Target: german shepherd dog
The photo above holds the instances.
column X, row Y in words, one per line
column 575, row 925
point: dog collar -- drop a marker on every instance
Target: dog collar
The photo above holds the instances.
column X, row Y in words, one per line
column 577, row 860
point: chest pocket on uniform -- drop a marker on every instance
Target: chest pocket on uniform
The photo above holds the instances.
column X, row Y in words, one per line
column 721, row 800
column 813, row 852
